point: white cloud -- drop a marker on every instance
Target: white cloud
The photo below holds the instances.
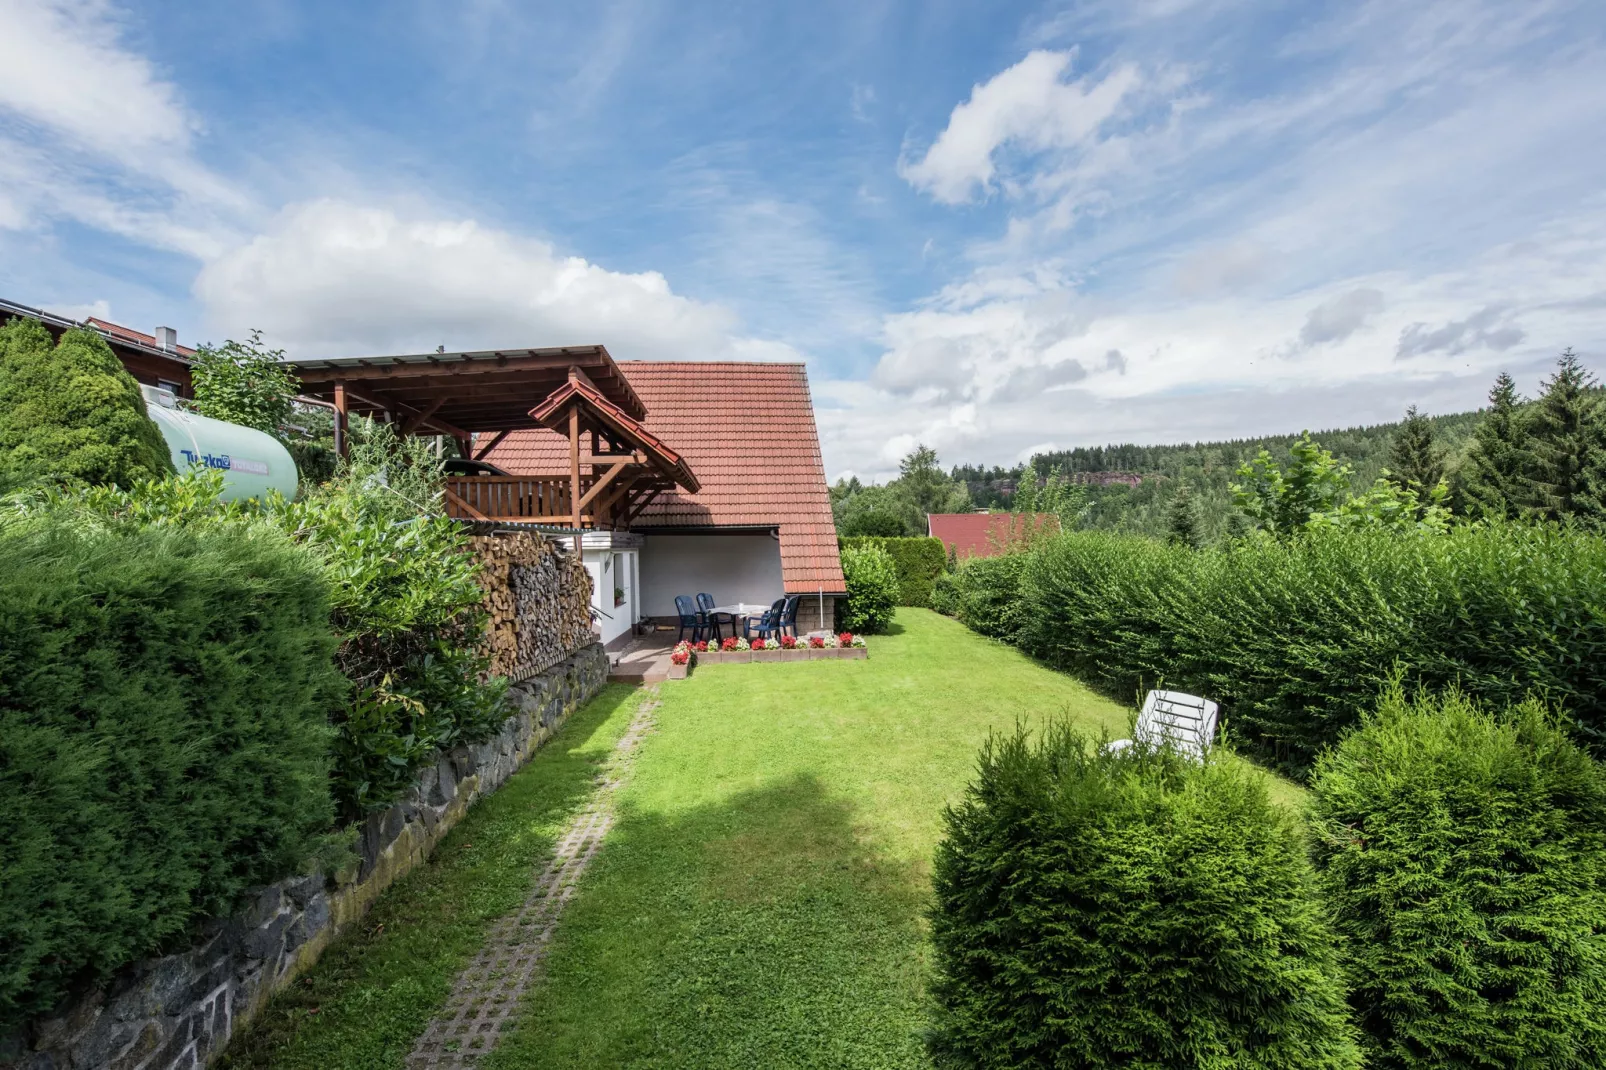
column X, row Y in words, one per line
column 1337, row 318
column 62, row 66
column 337, row 278
column 1027, row 105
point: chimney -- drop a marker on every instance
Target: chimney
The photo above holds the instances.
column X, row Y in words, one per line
column 167, row 339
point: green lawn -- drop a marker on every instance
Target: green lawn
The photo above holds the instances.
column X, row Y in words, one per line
column 370, row 995
column 760, row 900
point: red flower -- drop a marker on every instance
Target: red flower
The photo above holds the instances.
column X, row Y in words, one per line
column 817, row 642
column 701, row 647
column 788, row 642
column 729, row 643
column 846, row 638
column 680, row 657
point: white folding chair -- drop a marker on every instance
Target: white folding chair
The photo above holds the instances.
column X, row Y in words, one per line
column 1186, row 722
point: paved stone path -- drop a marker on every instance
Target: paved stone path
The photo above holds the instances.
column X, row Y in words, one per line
column 485, row 997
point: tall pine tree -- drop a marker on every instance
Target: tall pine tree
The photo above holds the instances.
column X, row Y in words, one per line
column 1415, row 461
column 1182, row 520
column 1566, row 440
column 1498, row 474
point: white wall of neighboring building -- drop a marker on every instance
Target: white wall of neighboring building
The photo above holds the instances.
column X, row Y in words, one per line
column 732, row 568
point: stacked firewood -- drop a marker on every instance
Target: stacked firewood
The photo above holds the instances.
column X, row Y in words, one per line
column 539, row 600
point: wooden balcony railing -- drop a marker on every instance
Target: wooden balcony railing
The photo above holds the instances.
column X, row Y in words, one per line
column 515, row 498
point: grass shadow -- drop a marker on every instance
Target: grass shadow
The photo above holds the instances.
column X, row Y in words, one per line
column 377, row 986
column 761, row 931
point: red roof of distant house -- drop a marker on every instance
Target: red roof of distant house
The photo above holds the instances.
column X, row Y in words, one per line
column 986, row 534
column 747, row 430
column 128, row 334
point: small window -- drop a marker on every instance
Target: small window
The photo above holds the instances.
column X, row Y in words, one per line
column 176, row 389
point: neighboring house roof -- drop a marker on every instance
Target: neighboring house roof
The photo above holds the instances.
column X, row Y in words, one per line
column 747, row 430
column 140, row 353
column 127, row 334
column 986, row 534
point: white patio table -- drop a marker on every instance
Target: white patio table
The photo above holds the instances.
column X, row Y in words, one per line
column 739, row 613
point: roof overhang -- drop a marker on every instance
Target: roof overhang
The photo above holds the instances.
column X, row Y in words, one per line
column 597, row 414
column 467, row 392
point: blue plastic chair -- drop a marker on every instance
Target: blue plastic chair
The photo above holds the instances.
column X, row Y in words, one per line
column 767, row 625
column 689, row 618
column 788, row 621
column 705, row 606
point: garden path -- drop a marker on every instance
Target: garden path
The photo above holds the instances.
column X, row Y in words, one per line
column 486, row 995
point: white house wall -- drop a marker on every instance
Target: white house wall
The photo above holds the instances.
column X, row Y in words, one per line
column 609, row 570
column 732, row 568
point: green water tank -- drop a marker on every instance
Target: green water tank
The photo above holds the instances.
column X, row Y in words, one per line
column 252, row 462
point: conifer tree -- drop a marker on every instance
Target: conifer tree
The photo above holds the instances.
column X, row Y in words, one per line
column 1566, row 435
column 68, row 410
column 1415, row 462
column 1182, row 520
column 1497, row 477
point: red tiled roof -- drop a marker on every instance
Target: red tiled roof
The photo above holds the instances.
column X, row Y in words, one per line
column 985, row 534
column 747, row 431
column 131, row 335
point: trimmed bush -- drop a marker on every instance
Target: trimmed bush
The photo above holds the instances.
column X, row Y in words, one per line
column 919, row 562
column 163, row 737
column 1129, row 910
column 1464, row 857
column 70, row 411
column 872, row 581
column 985, row 595
column 1295, row 637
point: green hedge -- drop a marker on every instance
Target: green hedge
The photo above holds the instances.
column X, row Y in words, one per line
column 872, row 582
column 1135, row 910
column 1296, row 637
column 919, row 562
column 164, row 742
column 1464, row 858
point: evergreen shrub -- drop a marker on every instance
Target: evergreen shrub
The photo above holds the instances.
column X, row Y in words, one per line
column 986, row 594
column 164, row 742
column 872, row 582
column 1464, row 858
column 70, row 411
column 1296, row 636
column 1129, row 910
column 919, row 562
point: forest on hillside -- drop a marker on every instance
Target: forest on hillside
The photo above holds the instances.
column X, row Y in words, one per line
column 1205, row 468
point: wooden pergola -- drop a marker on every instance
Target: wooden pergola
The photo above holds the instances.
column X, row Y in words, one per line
column 616, row 467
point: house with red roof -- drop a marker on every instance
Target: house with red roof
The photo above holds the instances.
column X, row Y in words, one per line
column 672, row 477
column 153, row 359
column 987, row 534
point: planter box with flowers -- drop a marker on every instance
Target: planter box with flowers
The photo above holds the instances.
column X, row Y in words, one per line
column 786, row 648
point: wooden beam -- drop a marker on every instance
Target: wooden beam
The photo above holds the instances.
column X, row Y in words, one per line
column 634, row 457
column 602, row 481
column 419, row 417
column 481, row 453
column 574, row 474
column 342, row 447
column 642, row 503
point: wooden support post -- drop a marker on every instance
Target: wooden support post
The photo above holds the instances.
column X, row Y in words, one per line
column 342, row 447
column 574, row 476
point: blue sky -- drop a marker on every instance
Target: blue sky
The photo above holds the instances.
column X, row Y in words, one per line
column 994, row 228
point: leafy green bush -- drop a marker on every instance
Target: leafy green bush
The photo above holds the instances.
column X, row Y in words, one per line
column 872, row 581
column 1464, row 858
column 70, row 411
column 919, row 562
column 945, row 594
column 1135, row 909
column 244, row 383
column 1296, row 636
column 163, row 735
column 986, row 594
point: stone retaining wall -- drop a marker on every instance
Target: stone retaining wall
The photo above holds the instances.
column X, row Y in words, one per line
column 179, row 1011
